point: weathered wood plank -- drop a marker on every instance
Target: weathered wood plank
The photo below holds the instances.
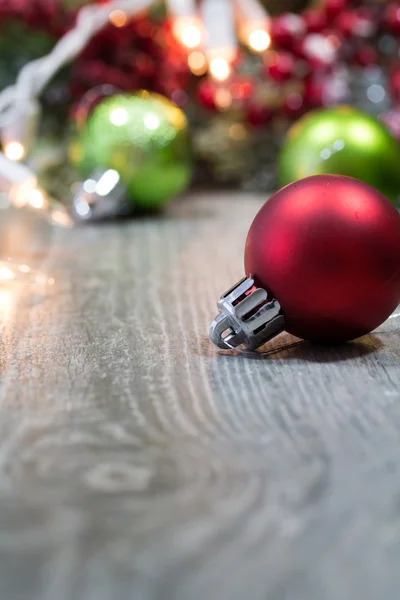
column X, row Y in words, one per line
column 138, row 462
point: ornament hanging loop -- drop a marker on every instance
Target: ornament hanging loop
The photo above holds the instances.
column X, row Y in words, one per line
column 247, row 317
column 100, row 196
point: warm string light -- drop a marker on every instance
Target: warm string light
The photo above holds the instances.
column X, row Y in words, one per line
column 220, row 69
column 118, row 18
column 37, row 199
column 187, row 30
column 218, row 38
column 19, row 184
column 259, row 40
column 51, row 210
column 6, row 274
column 197, row 63
column 186, row 23
column 223, row 98
column 10, row 271
column 211, row 40
column 28, row 194
column 14, row 151
column 254, row 24
column 19, row 130
column 221, row 44
column 10, row 276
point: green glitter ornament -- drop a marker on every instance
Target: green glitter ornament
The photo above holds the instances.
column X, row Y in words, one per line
column 342, row 141
column 145, row 138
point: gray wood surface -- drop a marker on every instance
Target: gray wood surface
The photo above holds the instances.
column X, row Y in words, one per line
column 138, row 462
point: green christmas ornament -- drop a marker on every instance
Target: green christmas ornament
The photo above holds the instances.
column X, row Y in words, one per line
column 137, row 142
column 342, row 141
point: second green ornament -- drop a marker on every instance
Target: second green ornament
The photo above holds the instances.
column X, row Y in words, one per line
column 342, row 141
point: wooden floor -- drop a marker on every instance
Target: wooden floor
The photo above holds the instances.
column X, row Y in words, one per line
column 139, row 463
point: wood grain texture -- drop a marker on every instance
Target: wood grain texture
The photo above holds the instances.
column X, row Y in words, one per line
column 139, row 463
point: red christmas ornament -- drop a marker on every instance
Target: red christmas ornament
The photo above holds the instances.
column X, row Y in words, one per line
column 322, row 261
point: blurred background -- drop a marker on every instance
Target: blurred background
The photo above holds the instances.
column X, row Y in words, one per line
column 242, row 77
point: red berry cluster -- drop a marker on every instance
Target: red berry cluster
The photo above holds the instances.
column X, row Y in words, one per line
column 304, row 67
column 142, row 54
column 42, row 15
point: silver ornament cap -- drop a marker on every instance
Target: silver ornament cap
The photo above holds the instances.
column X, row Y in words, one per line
column 101, row 196
column 247, row 317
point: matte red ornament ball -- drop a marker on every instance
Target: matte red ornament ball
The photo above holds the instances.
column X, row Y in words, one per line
column 327, row 248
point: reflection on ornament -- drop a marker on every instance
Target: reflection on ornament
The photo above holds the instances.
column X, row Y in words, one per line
column 118, row 117
column 100, row 197
column 344, row 141
column 144, row 139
